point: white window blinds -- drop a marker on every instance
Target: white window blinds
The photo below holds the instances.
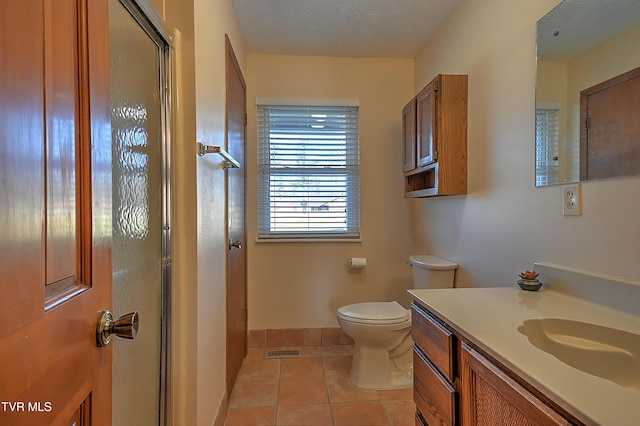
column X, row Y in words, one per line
column 547, row 135
column 308, row 172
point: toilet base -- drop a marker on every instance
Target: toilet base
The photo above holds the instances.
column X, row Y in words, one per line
column 373, row 369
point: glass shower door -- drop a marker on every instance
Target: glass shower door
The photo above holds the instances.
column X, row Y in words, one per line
column 138, row 214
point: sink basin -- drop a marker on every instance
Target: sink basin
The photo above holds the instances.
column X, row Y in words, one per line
column 605, row 352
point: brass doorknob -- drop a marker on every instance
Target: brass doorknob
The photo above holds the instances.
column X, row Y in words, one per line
column 126, row 327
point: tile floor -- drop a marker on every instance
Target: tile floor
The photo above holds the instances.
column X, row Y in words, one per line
column 312, row 389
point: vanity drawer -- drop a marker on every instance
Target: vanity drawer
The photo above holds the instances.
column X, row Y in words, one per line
column 433, row 395
column 434, row 340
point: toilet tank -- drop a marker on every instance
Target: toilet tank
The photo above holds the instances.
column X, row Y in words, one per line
column 432, row 272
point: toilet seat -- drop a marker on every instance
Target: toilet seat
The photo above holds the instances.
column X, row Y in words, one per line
column 375, row 313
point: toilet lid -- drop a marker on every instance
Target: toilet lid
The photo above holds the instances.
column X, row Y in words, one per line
column 387, row 312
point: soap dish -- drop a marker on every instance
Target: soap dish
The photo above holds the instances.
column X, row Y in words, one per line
column 530, row 285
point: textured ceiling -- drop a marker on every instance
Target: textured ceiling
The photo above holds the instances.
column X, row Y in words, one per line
column 356, row 28
column 577, row 25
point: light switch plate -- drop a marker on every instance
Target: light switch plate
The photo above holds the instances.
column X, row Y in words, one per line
column 571, row 200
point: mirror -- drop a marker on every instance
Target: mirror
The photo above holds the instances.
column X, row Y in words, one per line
column 580, row 44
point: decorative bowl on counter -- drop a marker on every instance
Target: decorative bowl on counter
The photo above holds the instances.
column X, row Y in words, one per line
column 529, row 281
column 530, row 285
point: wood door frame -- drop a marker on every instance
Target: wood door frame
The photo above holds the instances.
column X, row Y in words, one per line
column 232, row 65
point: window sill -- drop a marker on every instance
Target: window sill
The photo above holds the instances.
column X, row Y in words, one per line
column 309, row 240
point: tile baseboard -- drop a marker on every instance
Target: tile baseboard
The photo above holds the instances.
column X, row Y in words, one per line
column 283, row 337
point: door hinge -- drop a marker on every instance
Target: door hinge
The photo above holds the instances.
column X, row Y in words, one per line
column 435, row 86
column 245, row 314
column 586, row 123
column 244, row 119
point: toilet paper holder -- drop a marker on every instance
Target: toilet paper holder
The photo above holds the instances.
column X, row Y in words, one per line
column 357, row 263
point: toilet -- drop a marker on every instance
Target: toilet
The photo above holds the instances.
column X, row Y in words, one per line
column 381, row 331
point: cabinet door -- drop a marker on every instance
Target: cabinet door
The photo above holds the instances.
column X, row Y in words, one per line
column 488, row 397
column 409, row 136
column 426, row 124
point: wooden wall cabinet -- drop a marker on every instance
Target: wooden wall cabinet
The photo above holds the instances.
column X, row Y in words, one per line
column 409, row 136
column 455, row 384
column 434, row 129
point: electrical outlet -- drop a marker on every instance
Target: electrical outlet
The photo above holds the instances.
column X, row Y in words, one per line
column 571, row 203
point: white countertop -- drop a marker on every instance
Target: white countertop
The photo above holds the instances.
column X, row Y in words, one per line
column 490, row 317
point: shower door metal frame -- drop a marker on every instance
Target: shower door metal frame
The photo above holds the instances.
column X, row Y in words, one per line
column 155, row 27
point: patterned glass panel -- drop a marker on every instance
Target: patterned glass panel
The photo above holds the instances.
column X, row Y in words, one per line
column 137, row 216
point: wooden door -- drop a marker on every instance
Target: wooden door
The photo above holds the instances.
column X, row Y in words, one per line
column 610, row 134
column 236, row 219
column 55, row 212
column 426, row 124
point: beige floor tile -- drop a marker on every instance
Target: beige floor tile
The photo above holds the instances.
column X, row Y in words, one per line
column 366, row 413
column 304, row 414
column 312, row 389
column 259, row 368
column 302, row 390
column 335, row 350
column 253, row 392
column 302, row 366
column 341, row 389
column 396, row 394
column 256, row 352
column 251, row 416
column 401, row 413
column 314, row 350
column 337, row 364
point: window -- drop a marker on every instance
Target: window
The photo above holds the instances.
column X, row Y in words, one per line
column 308, row 172
column 547, row 135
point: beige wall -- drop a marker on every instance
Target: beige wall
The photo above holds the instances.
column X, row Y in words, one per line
column 502, row 226
column 212, row 20
column 296, row 285
column 505, row 224
column 199, row 234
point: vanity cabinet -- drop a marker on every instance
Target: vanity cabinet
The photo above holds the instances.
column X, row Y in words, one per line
column 489, row 396
column 433, row 370
column 434, row 129
column 455, row 384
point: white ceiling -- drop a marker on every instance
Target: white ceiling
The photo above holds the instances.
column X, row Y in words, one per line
column 577, row 25
column 351, row 28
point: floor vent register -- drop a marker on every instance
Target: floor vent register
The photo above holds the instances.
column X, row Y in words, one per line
column 283, row 354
